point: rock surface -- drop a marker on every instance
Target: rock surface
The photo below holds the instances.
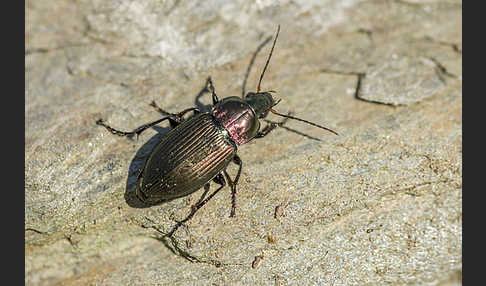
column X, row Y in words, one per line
column 379, row 204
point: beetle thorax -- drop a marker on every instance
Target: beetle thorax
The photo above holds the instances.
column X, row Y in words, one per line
column 238, row 119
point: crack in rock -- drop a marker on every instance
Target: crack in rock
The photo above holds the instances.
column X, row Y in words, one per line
column 402, row 80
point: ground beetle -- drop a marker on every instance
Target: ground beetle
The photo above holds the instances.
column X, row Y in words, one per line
column 199, row 149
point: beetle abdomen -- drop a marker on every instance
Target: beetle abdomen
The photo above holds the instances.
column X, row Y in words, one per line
column 185, row 159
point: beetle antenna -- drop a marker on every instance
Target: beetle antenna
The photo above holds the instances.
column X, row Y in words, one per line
column 298, row 119
column 268, row 60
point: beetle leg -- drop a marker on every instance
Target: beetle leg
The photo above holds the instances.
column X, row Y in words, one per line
column 174, row 123
column 137, row 131
column 160, row 110
column 174, row 118
column 219, row 179
column 233, row 183
column 206, row 190
column 270, row 126
column 211, row 89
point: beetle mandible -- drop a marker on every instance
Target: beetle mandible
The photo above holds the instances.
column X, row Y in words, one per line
column 199, row 149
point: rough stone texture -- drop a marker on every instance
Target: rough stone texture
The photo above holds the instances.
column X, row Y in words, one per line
column 379, row 204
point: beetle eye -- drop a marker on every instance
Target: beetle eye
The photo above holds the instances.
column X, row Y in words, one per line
column 263, row 114
column 250, row 94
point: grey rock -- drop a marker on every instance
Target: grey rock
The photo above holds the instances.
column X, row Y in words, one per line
column 401, row 80
column 379, row 204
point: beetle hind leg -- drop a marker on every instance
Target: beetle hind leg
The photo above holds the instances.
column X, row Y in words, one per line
column 206, row 190
column 160, row 110
column 175, row 118
column 219, row 179
column 136, row 131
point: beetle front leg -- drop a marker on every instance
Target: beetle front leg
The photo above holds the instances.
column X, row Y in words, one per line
column 270, row 126
column 236, row 160
column 219, row 179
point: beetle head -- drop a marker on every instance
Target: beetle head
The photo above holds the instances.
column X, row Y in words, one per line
column 260, row 102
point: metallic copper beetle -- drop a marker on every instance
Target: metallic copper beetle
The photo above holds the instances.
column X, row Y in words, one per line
column 199, row 149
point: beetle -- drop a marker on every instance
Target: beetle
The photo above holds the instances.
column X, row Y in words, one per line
column 199, row 149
